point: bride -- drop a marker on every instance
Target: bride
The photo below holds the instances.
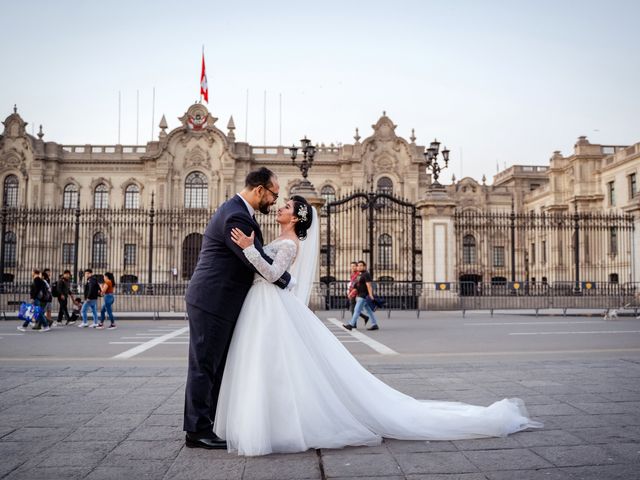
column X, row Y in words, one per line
column 290, row 385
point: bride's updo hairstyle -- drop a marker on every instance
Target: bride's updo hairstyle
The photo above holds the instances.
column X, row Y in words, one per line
column 302, row 211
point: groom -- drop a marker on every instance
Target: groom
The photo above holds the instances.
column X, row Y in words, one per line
column 217, row 289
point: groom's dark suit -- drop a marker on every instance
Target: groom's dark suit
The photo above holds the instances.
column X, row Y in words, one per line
column 217, row 289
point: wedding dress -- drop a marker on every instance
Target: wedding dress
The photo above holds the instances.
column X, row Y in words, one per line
column 290, row 385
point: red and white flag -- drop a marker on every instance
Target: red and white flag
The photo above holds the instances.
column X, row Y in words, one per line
column 204, row 87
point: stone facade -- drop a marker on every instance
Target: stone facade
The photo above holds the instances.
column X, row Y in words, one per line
column 198, row 165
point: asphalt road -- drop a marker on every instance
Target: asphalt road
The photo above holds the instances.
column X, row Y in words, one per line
column 403, row 338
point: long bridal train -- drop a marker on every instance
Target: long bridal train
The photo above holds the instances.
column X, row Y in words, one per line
column 290, row 385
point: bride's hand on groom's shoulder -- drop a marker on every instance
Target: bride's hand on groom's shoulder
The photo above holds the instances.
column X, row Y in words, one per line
column 240, row 239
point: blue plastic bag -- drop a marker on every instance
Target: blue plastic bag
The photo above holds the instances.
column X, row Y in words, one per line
column 29, row 311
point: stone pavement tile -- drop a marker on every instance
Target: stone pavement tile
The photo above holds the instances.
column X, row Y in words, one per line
column 573, row 398
column 488, row 443
column 363, row 465
column 206, row 467
column 416, row 446
column 143, row 471
column 448, row 476
column 512, row 459
column 6, row 430
column 167, row 420
column 115, row 433
column 74, row 454
column 543, row 438
column 609, row 407
column 621, row 396
column 626, row 452
column 435, row 462
column 553, row 409
column 586, row 421
column 382, row 448
column 27, row 434
column 603, row 472
column 283, row 467
column 156, row 432
column 612, row 434
column 147, row 450
column 579, row 455
column 60, row 420
column 542, row 474
column 538, row 399
column 48, row 473
column 382, row 477
column 117, row 419
column 9, row 464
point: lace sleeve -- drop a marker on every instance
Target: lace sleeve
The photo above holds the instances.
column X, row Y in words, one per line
column 281, row 262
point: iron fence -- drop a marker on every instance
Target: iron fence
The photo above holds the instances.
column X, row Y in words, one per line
column 406, row 296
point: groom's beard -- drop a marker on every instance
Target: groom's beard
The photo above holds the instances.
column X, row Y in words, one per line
column 264, row 207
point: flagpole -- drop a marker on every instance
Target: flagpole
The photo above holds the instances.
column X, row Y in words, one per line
column 201, row 73
column 137, row 114
column 153, row 111
column 246, row 117
column 280, row 141
column 264, row 120
column 119, row 115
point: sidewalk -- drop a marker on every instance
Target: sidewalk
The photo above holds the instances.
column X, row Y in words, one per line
column 123, row 422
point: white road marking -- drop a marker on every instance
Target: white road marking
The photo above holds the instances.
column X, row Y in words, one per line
column 126, row 343
column 576, row 333
column 531, row 323
column 132, row 352
column 13, row 334
column 370, row 342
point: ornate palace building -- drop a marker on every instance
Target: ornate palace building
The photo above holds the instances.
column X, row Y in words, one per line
column 140, row 210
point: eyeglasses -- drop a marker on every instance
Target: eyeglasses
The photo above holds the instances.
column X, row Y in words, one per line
column 275, row 195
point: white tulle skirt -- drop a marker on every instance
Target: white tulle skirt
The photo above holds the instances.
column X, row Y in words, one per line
column 290, row 385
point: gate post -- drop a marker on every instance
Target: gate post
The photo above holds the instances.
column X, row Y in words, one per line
column 150, row 273
column 513, row 242
column 76, row 246
column 438, row 239
column 576, row 226
column 4, row 232
column 370, row 221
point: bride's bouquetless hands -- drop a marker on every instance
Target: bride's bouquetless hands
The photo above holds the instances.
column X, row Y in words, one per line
column 240, row 239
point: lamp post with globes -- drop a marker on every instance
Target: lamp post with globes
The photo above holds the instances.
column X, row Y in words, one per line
column 308, row 154
column 431, row 158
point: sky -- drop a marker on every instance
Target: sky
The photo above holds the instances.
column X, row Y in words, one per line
column 499, row 82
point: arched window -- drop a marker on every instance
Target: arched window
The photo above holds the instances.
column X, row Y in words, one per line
column 385, row 185
column 10, row 243
column 190, row 251
column 328, row 193
column 10, row 197
column 99, row 251
column 132, row 196
column 469, row 249
column 70, row 196
column 385, row 252
column 196, row 191
column 101, row 196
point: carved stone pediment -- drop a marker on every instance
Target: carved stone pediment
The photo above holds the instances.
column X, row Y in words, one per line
column 198, row 157
column 197, row 118
column 385, row 163
column 14, row 126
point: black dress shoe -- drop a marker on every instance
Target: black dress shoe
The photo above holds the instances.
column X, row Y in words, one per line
column 373, row 327
column 347, row 326
column 212, row 443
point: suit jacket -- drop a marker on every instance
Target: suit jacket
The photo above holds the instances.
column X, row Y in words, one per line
column 223, row 275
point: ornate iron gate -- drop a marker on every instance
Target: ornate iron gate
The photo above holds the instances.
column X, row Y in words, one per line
column 384, row 231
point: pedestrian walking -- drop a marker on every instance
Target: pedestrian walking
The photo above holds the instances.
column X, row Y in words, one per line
column 48, row 300
column 63, row 290
column 91, row 293
column 364, row 287
column 108, row 293
column 37, row 295
column 352, row 293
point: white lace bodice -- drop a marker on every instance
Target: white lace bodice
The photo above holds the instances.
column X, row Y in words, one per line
column 282, row 251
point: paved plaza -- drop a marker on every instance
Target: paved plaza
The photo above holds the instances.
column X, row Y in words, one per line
column 81, row 403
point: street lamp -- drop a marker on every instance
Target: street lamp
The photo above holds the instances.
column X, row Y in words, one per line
column 431, row 158
column 308, row 152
